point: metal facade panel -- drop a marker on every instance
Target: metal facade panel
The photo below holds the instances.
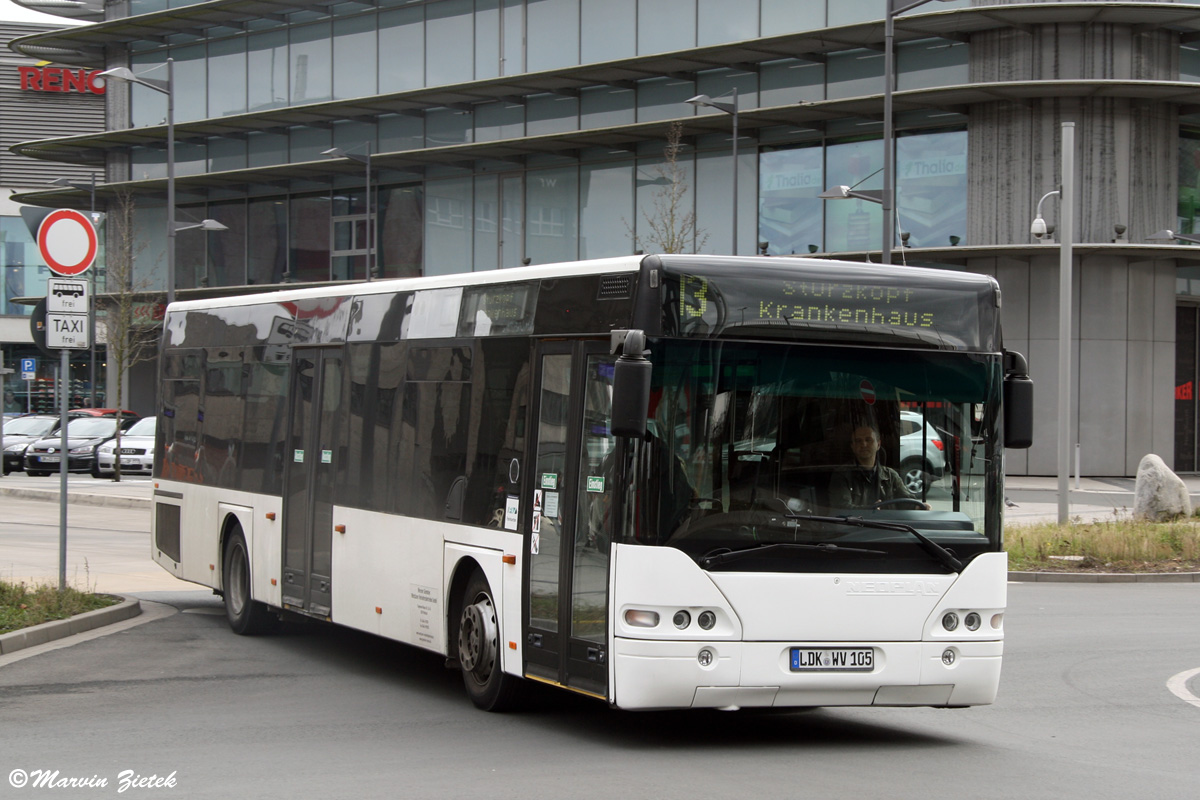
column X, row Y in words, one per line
column 27, row 115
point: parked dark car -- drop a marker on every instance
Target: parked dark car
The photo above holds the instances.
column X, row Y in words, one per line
column 20, row 432
column 84, row 434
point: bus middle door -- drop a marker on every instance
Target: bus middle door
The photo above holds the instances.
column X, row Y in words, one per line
column 309, row 480
column 566, row 616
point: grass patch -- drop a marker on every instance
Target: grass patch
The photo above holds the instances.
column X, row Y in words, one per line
column 22, row 605
column 1117, row 545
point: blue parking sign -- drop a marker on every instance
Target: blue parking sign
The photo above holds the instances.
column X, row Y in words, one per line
column 28, row 368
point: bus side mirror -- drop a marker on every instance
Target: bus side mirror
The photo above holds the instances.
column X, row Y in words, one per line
column 631, row 385
column 1018, row 402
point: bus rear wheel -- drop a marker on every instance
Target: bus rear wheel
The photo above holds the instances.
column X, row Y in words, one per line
column 479, row 654
column 246, row 616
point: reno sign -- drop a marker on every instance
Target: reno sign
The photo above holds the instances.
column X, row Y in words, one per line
column 57, row 79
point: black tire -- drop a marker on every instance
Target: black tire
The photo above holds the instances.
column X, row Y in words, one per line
column 915, row 476
column 479, row 653
column 246, row 616
column 96, row 473
column 33, row 473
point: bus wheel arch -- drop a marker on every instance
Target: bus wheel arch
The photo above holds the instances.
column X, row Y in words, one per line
column 475, row 642
column 247, row 616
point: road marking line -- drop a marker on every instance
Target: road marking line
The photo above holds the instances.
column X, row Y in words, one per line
column 1178, row 686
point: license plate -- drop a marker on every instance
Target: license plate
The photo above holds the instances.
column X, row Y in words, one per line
column 832, row 659
column 129, row 462
column 49, row 459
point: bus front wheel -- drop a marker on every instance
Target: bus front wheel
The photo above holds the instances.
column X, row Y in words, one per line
column 246, row 616
column 479, row 654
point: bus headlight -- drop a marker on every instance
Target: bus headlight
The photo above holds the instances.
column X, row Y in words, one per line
column 950, row 621
column 682, row 619
column 707, row 620
column 973, row 621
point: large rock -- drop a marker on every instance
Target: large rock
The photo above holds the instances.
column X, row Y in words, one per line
column 1159, row 493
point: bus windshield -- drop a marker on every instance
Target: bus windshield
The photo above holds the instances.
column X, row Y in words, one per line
column 754, row 444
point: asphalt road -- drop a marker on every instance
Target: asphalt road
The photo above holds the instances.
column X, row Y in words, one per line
column 318, row 711
column 108, row 548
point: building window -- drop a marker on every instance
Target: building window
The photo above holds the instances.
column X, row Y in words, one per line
column 1189, row 181
column 931, row 188
column 308, row 238
column 790, row 214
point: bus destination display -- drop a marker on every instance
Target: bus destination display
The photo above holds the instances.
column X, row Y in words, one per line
column 715, row 303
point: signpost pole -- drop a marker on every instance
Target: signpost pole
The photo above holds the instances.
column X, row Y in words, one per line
column 63, row 378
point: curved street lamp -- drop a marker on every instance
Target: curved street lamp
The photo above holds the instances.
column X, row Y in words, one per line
column 1169, row 235
column 337, row 152
column 167, row 87
column 730, row 108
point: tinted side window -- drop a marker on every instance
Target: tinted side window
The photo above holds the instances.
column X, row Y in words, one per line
column 224, row 412
column 376, row 372
column 264, row 434
column 502, row 385
column 178, row 439
column 436, row 425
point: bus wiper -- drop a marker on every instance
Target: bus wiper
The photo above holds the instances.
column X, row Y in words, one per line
column 721, row 555
column 944, row 556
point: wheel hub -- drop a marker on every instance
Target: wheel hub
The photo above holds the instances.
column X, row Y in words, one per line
column 477, row 638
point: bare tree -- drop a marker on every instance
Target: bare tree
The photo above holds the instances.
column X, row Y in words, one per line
column 671, row 218
column 129, row 340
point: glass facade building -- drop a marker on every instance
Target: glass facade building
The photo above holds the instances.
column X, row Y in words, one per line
column 509, row 132
column 37, row 100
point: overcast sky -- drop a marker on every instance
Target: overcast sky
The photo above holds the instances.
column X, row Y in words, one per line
column 11, row 12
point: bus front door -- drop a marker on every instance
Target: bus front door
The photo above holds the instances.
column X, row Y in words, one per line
column 569, row 527
column 309, row 479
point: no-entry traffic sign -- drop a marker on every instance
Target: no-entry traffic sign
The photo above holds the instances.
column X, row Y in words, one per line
column 67, row 240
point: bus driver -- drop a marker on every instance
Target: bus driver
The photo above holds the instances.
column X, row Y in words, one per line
column 868, row 482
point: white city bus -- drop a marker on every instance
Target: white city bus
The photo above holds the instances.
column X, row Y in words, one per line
column 622, row 477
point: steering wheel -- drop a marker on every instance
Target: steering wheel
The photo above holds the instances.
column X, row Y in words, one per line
column 917, row 505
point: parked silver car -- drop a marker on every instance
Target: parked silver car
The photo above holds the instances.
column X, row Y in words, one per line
column 137, row 450
column 922, row 452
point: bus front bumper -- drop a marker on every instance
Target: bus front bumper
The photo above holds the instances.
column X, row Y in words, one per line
column 656, row 675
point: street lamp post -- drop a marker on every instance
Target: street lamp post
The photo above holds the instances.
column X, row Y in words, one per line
column 1066, row 227
column 167, row 87
column 894, row 9
column 730, row 108
column 337, row 152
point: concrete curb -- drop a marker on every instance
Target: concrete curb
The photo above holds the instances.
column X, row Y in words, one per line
column 79, row 498
column 1093, row 497
column 62, row 628
column 1105, row 577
